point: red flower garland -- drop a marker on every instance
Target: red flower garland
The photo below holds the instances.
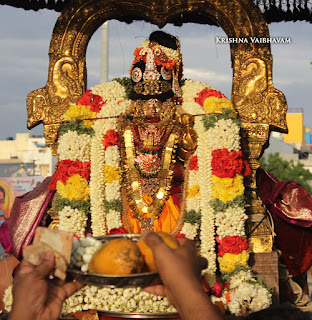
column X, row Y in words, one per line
column 93, row 100
column 68, row 168
column 111, row 138
column 231, row 244
column 206, row 93
column 227, row 164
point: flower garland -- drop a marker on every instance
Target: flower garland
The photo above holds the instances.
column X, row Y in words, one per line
column 228, row 169
column 213, row 196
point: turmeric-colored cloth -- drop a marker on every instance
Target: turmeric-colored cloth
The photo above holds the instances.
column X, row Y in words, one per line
column 166, row 221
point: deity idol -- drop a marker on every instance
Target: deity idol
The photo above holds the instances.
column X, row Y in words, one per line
column 151, row 152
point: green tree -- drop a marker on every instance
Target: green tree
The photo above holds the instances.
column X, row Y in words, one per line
column 287, row 170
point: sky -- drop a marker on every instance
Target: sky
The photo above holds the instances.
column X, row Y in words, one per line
column 25, row 38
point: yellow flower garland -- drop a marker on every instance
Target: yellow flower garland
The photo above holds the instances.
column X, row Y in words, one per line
column 227, row 189
column 76, row 188
column 111, row 174
column 81, row 112
column 229, row 261
column 215, row 105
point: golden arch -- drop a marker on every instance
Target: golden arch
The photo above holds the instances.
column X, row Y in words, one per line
column 261, row 107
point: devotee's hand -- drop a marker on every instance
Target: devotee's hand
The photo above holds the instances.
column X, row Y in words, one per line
column 37, row 297
column 180, row 270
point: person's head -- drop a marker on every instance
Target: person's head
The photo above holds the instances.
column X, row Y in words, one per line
column 2, row 198
column 157, row 68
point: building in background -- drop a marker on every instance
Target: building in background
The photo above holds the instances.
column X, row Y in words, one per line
column 29, row 151
column 296, row 130
column 296, row 144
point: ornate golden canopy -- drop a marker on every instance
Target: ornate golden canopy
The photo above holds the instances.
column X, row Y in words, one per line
column 261, row 107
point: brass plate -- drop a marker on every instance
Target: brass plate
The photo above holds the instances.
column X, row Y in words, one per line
column 115, row 281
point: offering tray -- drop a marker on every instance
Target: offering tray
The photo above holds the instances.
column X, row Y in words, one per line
column 115, row 281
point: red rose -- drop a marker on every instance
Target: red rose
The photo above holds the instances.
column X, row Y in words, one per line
column 93, row 100
column 180, row 235
column 194, row 163
column 85, row 99
column 217, row 290
column 75, row 168
column 68, row 168
column 231, row 244
column 227, row 164
column 206, row 93
column 111, row 138
column 85, row 170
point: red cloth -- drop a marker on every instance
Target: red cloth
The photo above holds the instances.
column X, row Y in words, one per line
column 291, row 208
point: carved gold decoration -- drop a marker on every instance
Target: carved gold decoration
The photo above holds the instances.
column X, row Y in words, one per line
column 260, row 106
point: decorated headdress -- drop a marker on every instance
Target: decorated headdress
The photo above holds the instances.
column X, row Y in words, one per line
column 157, row 68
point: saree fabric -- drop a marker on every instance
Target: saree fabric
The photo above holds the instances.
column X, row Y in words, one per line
column 291, row 208
column 26, row 215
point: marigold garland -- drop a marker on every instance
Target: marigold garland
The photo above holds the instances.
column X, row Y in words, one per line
column 111, row 174
column 227, row 189
column 229, row 261
column 76, row 188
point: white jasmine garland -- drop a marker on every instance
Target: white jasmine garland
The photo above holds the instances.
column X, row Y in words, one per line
column 74, row 146
column 190, row 230
column 231, row 222
column 204, row 177
column 191, row 89
column 72, row 220
column 225, row 134
column 239, row 277
column 8, row 298
column 256, row 296
column 117, row 300
column 113, row 219
column 109, row 91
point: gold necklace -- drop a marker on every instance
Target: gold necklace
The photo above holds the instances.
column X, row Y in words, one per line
column 132, row 178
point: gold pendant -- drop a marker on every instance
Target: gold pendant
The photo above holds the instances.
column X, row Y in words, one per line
column 147, row 224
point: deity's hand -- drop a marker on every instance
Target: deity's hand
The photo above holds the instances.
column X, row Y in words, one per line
column 180, row 271
column 188, row 139
column 35, row 296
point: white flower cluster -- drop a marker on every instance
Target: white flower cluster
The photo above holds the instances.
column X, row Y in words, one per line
column 253, row 294
column 225, row 134
column 109, row 91
column 8, row 298
column 72, row 220
column 239, row 277
column 202, row 177
column 191, row 89
column 98, row 221
column 114, row 95
column 82, row 252
column 117, row 300
column 190, row 230
column 231, row 222
column 74, row 146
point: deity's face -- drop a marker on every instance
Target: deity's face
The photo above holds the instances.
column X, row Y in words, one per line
column 152, row 109
column 1, row 200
